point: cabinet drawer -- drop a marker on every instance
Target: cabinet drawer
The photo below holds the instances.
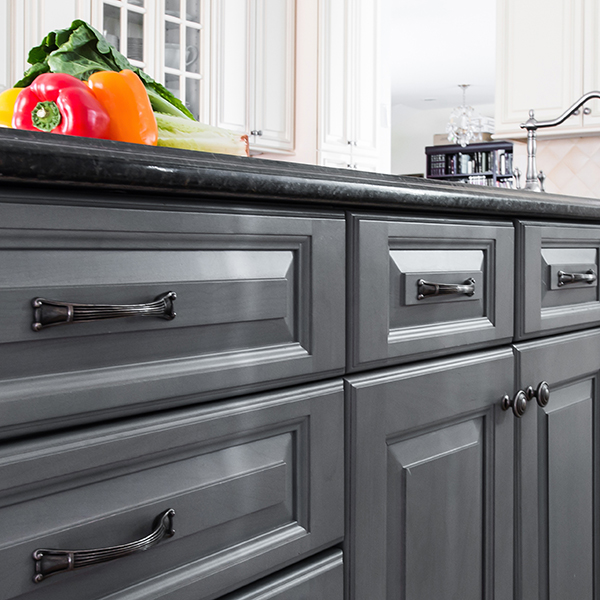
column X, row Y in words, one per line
column 319, row 578
column 425, row 287
column 260, row 302
column 255, row 484
column 558, row 286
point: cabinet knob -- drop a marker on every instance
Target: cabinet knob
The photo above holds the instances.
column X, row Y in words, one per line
column 518, row 403
column 541, row 394
column 256, row 132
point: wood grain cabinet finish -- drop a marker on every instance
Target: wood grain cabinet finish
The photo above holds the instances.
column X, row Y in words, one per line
column 558, row 472
column 431, row 480
column 255, row 483
column 260, row 303
column 396, row 261
column 320, row 578
column 558, row 287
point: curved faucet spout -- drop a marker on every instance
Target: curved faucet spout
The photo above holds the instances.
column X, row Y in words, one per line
column 534, row 180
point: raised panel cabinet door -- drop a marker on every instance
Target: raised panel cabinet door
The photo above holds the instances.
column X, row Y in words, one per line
column 422, row 287
column 272, row 105
column 334, row 73
column 557, row 277
column 364, row 79
column 558, row 495
column 548, row 35
column 255, row 484
column 591, row 62
column 259, row 303
column 230, row 77
column 431, row 481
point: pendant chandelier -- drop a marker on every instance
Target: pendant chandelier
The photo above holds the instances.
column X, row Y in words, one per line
column 464, row 125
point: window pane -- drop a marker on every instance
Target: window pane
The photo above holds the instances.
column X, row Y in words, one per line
column 137, row 2
column 112, row 25
column 192, row 50
column 172, row 46
column 192, row 10
column 135, row 35
column 192, row 96
column 172, row 84
column 172, row 7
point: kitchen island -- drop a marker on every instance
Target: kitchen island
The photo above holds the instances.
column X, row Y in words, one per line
column 286, row 381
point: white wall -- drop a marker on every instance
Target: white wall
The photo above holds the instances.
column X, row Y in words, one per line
column 413, row 129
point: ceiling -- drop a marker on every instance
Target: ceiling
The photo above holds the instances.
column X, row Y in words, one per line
column 435, row 45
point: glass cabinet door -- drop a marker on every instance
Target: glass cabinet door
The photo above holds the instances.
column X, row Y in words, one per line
column 182, row 51
column 126, row 24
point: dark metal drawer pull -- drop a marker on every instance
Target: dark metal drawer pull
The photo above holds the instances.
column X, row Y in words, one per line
column 427, row 289
column 53, row 312
column 567, row 278
column 51, row 562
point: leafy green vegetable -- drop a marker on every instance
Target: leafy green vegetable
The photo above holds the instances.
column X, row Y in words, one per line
column 175, row 132
column 81, row 51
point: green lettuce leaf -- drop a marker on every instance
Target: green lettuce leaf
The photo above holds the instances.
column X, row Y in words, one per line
column 81, row 51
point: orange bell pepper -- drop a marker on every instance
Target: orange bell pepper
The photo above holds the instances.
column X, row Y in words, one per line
column 7, row 105
column 124, row 97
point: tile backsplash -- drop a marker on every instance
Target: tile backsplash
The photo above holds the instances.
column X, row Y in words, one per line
column 571, row 165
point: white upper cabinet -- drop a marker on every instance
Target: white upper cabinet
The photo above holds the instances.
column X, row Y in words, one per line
column 349, row 84
column 547, row 58
column 252, row 86
column 165, row 38
column 23, row 24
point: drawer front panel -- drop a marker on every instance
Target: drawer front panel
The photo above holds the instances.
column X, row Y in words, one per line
column 558, row 288
column 320, row 578
column 260, row 301
column 254, row 484
column 423, row 287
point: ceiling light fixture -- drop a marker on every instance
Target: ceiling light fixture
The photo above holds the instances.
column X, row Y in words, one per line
column 464, row 125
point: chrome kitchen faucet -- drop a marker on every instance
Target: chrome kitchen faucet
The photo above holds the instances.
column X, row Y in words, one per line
column 535, row 181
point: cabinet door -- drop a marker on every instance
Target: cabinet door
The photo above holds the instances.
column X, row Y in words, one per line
column 431, row 481
column 130, row 27
column 181, row 59
column 558, row 471
column 23, row 24
column 6, row 49
column 334, row 116
column 230, row 78
column 591, row 61
column 272, row 104
column 540, row 46
column 365, row 79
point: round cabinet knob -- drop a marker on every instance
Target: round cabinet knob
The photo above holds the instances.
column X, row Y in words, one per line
column 541, row 394
column 518, row 403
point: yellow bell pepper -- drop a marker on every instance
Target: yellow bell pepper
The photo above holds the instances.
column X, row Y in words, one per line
column 126, row 101
column 7, row 105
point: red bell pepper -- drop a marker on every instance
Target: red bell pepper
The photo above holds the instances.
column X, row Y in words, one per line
column 60, row 103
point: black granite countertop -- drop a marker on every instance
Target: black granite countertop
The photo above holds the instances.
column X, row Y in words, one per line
column 32, row 158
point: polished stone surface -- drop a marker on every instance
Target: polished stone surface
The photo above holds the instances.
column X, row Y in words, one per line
column 74, row 163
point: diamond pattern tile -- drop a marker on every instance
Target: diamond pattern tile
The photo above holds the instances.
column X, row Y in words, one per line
column 571, row 166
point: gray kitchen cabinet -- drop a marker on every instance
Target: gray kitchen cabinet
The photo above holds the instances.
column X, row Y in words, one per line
column 431, row 481
column 329, row 412
column 253, row 484
column 423, row 287
column 259, row 303
column 558, row 277
column 558, row 488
